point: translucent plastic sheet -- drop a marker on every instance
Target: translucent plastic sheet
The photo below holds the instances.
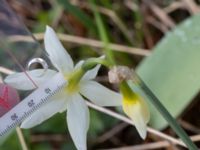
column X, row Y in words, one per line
column 18, row 48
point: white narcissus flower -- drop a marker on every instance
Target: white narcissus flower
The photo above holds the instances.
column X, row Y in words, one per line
column 70, row 98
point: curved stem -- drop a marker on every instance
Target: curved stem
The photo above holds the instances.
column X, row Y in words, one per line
column 103, row 34
column 92, row 62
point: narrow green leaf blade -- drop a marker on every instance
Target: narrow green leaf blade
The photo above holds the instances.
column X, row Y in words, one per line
column 78, row 13
column 172, row 72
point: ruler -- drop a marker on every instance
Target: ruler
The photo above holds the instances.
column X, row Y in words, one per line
column 31, row 103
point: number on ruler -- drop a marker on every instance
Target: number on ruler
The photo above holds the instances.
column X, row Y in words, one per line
column 47, row 90
column 31, row 103
column 14, row 116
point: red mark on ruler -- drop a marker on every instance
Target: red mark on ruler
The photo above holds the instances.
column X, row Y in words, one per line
column 4, row 99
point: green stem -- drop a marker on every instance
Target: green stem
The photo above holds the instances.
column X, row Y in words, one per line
column 103, row 34
column 92, row 62
column 168, row 117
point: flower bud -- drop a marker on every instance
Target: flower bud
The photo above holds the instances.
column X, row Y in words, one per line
column 119, row 73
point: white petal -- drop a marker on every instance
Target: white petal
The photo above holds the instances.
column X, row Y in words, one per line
column 100, row 95
column 91, row 74
column 22, row 82
column 45, row 112
column 139, row 114
column 79, row 64
column 57, row 53
column 78, row 121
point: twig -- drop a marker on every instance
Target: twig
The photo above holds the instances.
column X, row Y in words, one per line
column 195, row 138
column 162, row 27
column 118, row 22
column 192, row 7
column 131, row 5
column 106, row 136
column 59, row 12
column 88, row 42
column 5, row 70
column 21, row 139
column 174, row 6
column 154, row 145
column 149, row 146
column 189, row 126
column 99, row 44
column 160, row 14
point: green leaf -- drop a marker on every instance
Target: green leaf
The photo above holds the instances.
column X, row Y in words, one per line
column 5, row 137
column 172, row 72
column 51, row 125
column 11, row 139
column 79, row 14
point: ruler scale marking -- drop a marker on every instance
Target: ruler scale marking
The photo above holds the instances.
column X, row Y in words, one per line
column 31, row 103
